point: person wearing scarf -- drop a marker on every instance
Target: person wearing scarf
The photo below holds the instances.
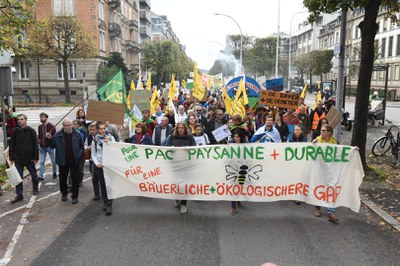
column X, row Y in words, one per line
column 97, row 156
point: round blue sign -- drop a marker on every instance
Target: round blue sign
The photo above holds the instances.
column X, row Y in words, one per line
column 252, row 89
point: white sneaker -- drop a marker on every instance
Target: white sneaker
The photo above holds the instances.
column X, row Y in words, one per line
column 177, row 203
column 184, row 209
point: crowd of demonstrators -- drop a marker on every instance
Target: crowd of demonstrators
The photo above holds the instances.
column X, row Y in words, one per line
column 192, row 124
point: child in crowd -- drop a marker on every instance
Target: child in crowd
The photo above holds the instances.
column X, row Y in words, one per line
column 199, row 136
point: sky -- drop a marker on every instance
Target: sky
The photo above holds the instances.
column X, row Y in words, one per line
column 204, row 33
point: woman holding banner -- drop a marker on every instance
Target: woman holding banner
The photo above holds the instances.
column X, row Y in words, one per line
column 97, row 156
column 326, row 137
column 181, row 137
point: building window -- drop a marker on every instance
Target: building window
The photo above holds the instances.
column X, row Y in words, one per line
column 102, row 40
column 396, row 72
column 398, row 45
column 71, row 70
column 23, row 70
column 63, row 7
column 62, row 92
column 383, row 46
column 101, row 10
column 390, row 46
column 73, row 92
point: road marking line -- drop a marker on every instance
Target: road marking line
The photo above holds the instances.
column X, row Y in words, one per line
column 10, row 249
column 40, row 199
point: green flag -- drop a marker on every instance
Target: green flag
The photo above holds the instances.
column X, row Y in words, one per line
column 114, row 90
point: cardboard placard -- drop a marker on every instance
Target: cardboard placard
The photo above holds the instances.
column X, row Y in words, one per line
column 106, row 111
column 279, row 99
column 333, row 117
column 141, row 98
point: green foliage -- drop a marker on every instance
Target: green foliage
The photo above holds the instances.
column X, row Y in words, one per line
column 117, row 60
column 260, row 57
column 164, row 58
column 15, row 16
column 316, row 62
column 105, row 73
column 3, row 175
column 61, row 39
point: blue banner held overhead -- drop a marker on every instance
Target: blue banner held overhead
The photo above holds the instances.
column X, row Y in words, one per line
column 274, row 84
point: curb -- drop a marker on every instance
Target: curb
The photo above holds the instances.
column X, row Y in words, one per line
column 384, row 215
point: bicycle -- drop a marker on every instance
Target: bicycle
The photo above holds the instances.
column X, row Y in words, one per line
column 388, row 142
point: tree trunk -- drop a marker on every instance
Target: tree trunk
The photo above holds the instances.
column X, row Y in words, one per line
column 312, row 90
column 66, row 82
column 368, row 28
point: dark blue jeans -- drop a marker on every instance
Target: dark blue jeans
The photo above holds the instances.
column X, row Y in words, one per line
column 100, row 176
column 95, row 180
column 32, row 171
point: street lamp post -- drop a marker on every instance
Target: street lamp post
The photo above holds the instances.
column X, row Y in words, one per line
column 241, row 38
column 290, row 46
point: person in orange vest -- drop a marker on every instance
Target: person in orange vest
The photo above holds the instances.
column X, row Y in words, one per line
column 302, row 103
column 318, row 113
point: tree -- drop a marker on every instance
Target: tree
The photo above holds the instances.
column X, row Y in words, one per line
column 321, row 61
column 303, row 65
column 117, row 60
column 222, row 66
column 61, row 39
column 15, row 16
column 260, row 57
column 164, row 58
column 105, row 73
column 368, row 28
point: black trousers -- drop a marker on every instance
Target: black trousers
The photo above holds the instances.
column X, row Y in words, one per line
column 64, row 171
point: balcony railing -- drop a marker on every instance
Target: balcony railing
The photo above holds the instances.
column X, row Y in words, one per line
column 132, row 45
column 133, row 23
column 114, row 3
column 145, row 30
column 114, row 29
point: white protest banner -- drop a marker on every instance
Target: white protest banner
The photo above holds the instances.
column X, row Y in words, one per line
column 318, row 174
column 221, row 133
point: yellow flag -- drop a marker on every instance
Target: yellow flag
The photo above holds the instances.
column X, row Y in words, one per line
column 198, row 88
column 172, row 89
column 227, row 101
column 209, row 83
column 304, row 91
column 238, row 105
column 183, row 83
column 154, row 102
column 318, row 96
column 128, row 99
column 148, row 85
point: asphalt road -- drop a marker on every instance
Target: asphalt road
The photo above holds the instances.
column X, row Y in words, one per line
column 146, row 231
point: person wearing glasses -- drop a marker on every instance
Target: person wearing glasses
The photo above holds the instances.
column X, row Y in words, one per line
column 326, row 137
column 218, row 121
column 316, row 133
column 24, row 152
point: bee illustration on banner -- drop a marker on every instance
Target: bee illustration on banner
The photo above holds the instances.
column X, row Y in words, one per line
column 242, row 171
